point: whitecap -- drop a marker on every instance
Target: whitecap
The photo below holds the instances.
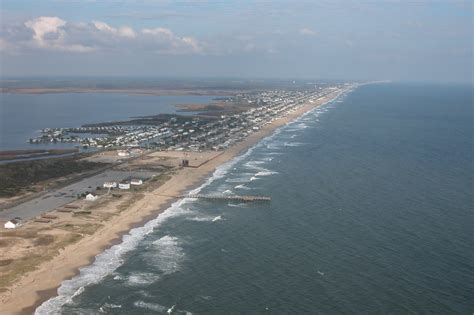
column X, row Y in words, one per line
column 150, row 306
column 266, row 173
column 238, row 180
column 218, row 218
column 206, row 219
column 294, row 144
column 111, row 306
column 242, row 186
column 142, row 278
column 165, row 255
column 237, row 205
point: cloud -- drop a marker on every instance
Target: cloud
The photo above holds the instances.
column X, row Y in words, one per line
column 55, row 34
column 123, row 31
column 49, row 33
column 308, row 32
column 168, row 42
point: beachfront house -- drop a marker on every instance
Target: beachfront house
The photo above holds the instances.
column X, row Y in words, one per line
column 12, row 224
column 123, row 153
column 110, row 185
column 124, row 185
column 136, row 182
column 91, row 197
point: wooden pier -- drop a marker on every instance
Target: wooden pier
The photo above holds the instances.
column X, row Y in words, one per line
column 229, row 198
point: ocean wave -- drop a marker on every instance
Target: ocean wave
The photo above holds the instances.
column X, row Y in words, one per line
column 293, row 144
column 242, row 186
column 266, row 173
column 254, row 165
column 273, row 147
column 206, row 219
column 155, row 307
column 105, row 263
column 108, row 306
column 151, row 306
column 165, row 255
column 142, row 278
column 238, row 180
column 237, row 205
column 218, row 218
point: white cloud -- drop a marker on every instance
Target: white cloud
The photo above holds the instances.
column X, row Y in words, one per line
column 308, row 32
column 176, row 44
column 56, row 34
column 123, row 31
column 45, row 25
column 49, row 33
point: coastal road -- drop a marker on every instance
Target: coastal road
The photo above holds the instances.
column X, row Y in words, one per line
column 61, row 196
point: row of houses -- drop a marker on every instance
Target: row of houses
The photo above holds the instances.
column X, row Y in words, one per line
column 196, row 133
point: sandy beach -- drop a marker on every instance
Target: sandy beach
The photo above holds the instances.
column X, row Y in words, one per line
column 39, row 285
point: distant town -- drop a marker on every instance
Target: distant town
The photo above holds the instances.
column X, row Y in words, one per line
column 203, row 130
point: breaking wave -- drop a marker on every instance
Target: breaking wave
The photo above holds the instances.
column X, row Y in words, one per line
column 242, row 187
column 266, row 173
column 165, row 254
column 150, row 306
column 142, row 278
column 206, row 219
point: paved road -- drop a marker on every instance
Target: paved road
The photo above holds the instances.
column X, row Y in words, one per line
column 62, row 196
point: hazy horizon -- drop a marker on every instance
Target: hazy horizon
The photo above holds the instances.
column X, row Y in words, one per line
column 419, row 41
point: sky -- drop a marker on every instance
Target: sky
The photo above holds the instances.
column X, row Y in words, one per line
column 404, row 40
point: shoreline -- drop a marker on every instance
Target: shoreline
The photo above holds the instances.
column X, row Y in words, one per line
column 36, row 287
column 129, row 91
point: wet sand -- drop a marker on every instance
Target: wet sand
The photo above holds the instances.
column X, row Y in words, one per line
column 38, row 286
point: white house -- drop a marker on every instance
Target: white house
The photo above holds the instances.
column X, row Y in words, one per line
column 123, row 153
column 136, row 182
column 12, row 224
column 110, row 185
column 124, row 185
column 91, row 197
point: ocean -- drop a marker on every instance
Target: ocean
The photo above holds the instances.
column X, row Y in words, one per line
column 22, row 116
column 371, row 212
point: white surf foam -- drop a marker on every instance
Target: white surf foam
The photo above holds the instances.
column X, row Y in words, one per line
column 150, row 306
column 165, row 255
column 206, row 219
column 107, row 307
column 237, row 205
column 238, row 180
column 267, row 173
column 242, row 187
column 142, row 278
column 294, row 144
column 105, row 263
column 218, row 218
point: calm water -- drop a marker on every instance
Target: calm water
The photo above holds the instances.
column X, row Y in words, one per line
column 23, row 115
column 371, row 212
